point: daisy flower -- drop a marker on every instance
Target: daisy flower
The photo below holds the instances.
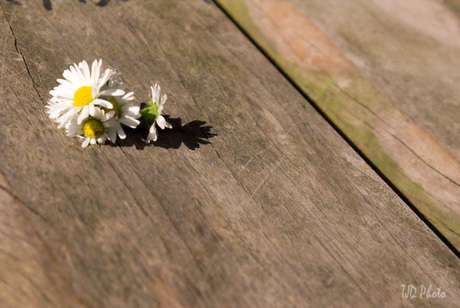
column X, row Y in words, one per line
column 152, row 113
column 96, row 128
column 124, row 113
column 80, row 89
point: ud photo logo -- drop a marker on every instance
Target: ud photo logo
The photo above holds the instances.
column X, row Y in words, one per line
column 410, row 292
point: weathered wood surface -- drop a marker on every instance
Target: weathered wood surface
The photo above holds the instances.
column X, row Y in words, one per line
column 276, row 211
column 387, row 73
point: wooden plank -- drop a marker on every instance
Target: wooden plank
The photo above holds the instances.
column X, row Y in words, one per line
column 386, row 73
column 277, row 210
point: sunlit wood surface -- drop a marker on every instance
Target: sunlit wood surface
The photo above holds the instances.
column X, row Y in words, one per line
column 252, row 200
column 387, row 74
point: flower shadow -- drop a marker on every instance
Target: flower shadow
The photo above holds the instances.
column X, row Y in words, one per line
column 192, row 135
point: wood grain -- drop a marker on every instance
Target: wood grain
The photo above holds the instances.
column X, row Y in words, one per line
column 387, row 80
column 273, row 210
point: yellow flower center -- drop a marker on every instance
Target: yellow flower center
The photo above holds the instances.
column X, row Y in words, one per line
column 82, row 96
column 93, row 128
column 115, row 107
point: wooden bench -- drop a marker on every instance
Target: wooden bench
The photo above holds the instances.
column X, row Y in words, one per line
column 252, row 200
column 386, row 74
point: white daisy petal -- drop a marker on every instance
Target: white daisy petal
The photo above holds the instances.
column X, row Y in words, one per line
column 85, row 70
column 108, row 115
column 130, row 122
column 77, row 74
column 99, row 113
column 83, row 114
column 105, row 77
column 65, row 83
column 103, row 103
column 161, row 122
column 112, row 122
column 81, row 74
column 134, row 110
column 94, row 72
column 85, row 142
column 129, row 96
column 112, row 134
column 92, row 110
column 152, row 136
column 121, row 132
column 58, row 94
column 112, row 92
column 73, row 78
